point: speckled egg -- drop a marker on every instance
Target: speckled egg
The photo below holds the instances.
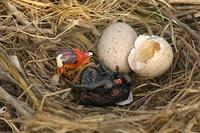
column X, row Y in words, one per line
column 115, row 44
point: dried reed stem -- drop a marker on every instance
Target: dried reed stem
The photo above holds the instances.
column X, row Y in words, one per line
column 8, row 98
column 8, row 66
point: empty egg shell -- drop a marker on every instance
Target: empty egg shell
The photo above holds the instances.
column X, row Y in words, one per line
column 115, row 44
column 151, row 56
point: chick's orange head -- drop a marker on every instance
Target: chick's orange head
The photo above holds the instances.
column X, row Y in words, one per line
column 82, row 57
column 70, row 59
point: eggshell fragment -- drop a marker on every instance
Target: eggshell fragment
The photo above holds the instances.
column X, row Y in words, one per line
column 115, row 44
column 151, row 56
column 127, row 101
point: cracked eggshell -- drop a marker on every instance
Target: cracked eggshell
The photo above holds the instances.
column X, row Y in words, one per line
column 115, row 44
column 151, row 56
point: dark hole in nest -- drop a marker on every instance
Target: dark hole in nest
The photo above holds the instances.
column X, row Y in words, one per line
column 10, row 88
column 82, row 1
column 55, row 1
column 45, row 24
column 4, row 127
column 58, row 1
column 7, row 112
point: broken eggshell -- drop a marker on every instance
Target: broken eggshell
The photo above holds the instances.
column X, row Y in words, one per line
column 115, row 44
column 151, row 56
column 127, row 101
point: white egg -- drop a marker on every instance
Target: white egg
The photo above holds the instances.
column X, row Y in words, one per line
column 115, row 44
column 151, row 56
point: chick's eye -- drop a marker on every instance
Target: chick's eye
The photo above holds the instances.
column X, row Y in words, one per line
column 75, row 62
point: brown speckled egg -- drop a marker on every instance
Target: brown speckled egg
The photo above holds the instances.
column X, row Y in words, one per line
column 115, row 44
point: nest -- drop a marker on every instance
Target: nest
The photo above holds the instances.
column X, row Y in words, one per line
column 33, row 31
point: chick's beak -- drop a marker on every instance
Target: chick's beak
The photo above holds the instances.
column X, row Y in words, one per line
column 90, row 54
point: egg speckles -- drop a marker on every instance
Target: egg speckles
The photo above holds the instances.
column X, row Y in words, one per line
column 115, row 44
column 151, row 56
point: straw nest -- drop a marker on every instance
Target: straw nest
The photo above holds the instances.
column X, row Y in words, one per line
column 33, row 31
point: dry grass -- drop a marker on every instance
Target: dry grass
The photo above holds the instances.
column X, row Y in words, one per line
column 34, row 30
